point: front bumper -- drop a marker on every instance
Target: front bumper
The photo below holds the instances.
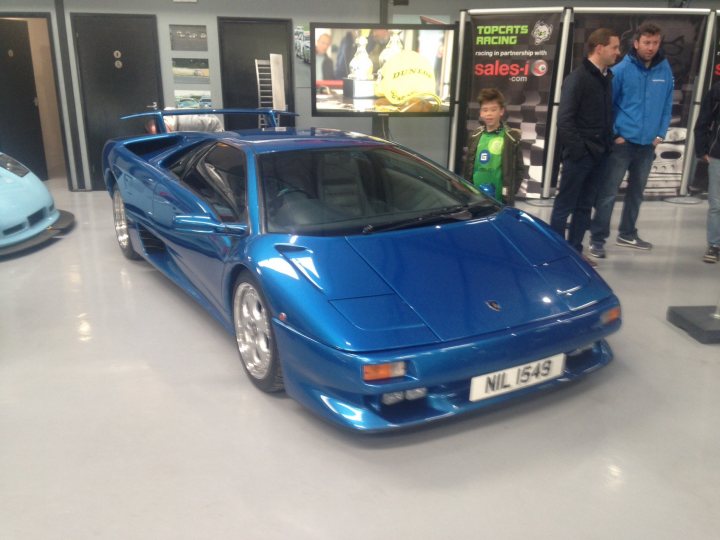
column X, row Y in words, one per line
column 329, row 381
column 59, row 222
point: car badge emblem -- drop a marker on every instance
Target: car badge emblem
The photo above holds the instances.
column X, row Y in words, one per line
column 492, row 304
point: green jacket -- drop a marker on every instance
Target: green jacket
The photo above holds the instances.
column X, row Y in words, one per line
column 513, row 168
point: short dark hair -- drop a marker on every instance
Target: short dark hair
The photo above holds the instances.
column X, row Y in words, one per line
column 491, row 94
column 647, row 29
column 601, row 36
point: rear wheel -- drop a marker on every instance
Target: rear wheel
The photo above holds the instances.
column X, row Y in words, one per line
column 121, row 226
column 254, row 334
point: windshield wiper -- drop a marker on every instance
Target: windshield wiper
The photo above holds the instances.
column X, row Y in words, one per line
column 460, row 212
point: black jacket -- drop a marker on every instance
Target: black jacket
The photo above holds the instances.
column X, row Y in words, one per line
column 585, row 117
column 513, row 168
column 707, row 126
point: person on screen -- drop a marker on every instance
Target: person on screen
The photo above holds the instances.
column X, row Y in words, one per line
column 346, row 52
column 707, row 149
column 494, row 162
column 377, row 41
column 324, row 69
column 585, row 132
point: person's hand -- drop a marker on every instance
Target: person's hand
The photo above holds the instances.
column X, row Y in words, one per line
column 657, row 141
column 619, row 140
column 705, row 158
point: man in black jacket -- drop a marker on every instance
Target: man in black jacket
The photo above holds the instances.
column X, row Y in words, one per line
column 707, row 148
column 585, row 130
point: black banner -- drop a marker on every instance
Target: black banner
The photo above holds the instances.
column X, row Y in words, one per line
column 716, row 59
column 515, row 53
column 683, row 37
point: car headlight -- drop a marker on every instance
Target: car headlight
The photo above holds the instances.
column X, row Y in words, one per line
column 13, row 165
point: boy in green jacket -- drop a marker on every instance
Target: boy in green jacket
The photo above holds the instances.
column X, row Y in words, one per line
column 494, row 161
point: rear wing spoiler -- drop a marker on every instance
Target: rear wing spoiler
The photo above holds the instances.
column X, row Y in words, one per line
column 272, row 116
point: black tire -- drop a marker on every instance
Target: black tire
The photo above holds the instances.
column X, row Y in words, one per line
column 121, row 226
column 254, row 335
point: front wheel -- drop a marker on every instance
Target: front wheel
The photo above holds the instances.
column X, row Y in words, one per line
column 121, row 226
column 254, row 334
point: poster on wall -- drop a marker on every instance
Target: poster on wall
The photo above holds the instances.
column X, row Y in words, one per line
column 188, row 37
column 515, row 52
column 190, row 70
column 683, row 36
column 301, row 48
column 193, row 99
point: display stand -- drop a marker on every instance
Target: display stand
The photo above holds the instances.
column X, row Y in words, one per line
column 701, row 322
column 539, row 202
column 381, row 127
column 684, row 199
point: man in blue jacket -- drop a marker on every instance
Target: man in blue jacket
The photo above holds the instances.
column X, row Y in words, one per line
column 642, row 102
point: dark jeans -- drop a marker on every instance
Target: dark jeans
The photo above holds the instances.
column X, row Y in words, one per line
column 713, row 217
column 636, row 159
column 576, row 196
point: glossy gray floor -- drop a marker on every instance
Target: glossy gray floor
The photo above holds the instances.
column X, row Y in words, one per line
column 124, row 413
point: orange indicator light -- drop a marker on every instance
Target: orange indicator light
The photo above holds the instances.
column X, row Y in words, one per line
column 610, row 315
column 376, row 372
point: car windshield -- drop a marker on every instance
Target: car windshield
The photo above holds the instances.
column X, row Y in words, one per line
column 362, row 190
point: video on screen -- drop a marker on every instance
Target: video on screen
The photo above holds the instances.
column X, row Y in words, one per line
column 371, row 69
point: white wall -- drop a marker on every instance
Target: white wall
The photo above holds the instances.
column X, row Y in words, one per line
column 429, row 136
column 206, row 12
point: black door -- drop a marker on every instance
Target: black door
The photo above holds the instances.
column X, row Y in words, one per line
column 119, row 71
column 20, row 131
column 241, row 42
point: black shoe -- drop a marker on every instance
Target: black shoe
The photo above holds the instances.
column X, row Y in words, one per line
column 597, row 250
column 712, row 254
column 633, row 242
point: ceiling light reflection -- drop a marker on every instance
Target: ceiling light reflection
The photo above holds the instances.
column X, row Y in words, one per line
column 84, row 329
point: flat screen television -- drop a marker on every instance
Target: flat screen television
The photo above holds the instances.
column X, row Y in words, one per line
column 374, row 69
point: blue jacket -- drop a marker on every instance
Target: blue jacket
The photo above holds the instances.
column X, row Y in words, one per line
column 642, row 98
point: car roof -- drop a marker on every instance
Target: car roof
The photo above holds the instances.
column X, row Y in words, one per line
column 285, row 139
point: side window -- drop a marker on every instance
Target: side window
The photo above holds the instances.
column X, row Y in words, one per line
column 220, row 178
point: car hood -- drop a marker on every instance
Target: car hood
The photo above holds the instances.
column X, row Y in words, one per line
column 473, row 278
column 448, row 282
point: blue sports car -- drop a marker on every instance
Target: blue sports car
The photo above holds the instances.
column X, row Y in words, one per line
column 28, row 216
column 375, row 287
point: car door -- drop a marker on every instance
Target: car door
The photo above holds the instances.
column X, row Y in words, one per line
column 203, row 217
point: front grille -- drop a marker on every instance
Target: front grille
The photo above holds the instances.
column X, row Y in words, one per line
column 36, row 217
column 13, row 230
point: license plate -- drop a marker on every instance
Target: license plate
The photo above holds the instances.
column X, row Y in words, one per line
column 515, row 378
